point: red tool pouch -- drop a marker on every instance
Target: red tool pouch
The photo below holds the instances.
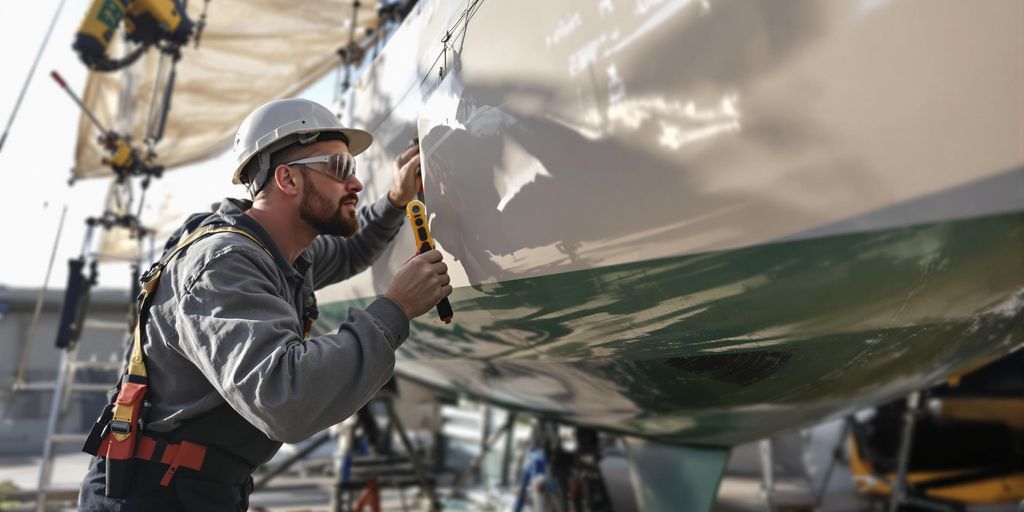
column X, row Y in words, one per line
column 122, row 434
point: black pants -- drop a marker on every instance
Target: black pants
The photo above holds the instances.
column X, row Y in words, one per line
column 185, row 493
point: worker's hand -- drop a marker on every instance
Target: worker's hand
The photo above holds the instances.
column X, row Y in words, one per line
column 420, row 284
column 407, row 178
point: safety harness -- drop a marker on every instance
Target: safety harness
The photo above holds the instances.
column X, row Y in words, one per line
column 117, row 434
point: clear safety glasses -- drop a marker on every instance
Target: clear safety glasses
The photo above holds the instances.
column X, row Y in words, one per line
column 340, row 166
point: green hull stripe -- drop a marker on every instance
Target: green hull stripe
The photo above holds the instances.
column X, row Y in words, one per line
column 730, row 346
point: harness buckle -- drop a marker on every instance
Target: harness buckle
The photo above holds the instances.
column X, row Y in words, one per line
column 120, row 427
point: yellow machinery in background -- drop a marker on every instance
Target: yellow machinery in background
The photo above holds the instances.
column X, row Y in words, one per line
column 161, row 23
column 146, row 23
column 966, row 442
column 123, row 159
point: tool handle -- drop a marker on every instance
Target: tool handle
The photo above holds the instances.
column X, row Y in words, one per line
column 60, row 80
column 444, row 308
column 444, row 311
column 417, row 213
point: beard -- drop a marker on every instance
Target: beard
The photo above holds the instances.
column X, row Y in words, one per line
column 325, row 217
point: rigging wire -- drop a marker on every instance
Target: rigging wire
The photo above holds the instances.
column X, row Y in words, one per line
column 451, row 33
column 31, row 72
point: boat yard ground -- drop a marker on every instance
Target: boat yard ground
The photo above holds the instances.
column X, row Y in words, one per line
column 738, row 493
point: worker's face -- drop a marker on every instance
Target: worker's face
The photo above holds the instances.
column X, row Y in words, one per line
column 327, row 204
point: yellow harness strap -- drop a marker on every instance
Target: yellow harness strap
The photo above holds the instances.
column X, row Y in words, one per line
column 136, row 363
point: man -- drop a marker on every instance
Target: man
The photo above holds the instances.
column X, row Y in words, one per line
column 228, row 367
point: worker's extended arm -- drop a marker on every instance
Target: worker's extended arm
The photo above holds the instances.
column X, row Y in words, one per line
column 235, row 327
column 336, row 258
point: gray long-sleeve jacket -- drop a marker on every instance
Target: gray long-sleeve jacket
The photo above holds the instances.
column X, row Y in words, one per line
column 226, row 324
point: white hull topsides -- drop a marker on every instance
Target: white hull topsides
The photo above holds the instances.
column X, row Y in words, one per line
column 574, row 135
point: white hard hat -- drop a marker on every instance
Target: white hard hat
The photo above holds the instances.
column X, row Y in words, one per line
column 281, row 123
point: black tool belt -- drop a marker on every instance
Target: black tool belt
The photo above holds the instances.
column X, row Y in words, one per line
column 193, row 460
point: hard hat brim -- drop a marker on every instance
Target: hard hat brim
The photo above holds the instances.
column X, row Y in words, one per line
column 358, row 141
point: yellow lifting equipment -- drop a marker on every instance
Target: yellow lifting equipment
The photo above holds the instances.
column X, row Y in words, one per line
column 146, row 22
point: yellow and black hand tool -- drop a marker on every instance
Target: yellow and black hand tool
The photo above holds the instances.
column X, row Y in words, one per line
column 417, row 213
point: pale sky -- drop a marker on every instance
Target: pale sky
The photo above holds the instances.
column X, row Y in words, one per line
column 36, row 159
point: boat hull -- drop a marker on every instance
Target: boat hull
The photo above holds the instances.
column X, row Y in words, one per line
column 705, row 222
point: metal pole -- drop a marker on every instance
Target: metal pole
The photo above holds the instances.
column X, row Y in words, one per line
column 474, row 466
column 322, row 438
column 150, row 116
column 417, row 466
column 165, row 107
column 31, row 72
column 767, row 473
column 46, row 467
column 485, row 435
column 74, row 97
column 26, row 354
column 506, row 457
column 90, row 226
column 899, row 487
column 351, row 44
column 837, row 455
column 341, row 500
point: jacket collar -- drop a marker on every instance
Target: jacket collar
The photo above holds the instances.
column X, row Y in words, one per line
column 231, row 212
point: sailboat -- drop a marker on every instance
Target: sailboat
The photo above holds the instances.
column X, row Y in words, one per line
column 695, row 223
